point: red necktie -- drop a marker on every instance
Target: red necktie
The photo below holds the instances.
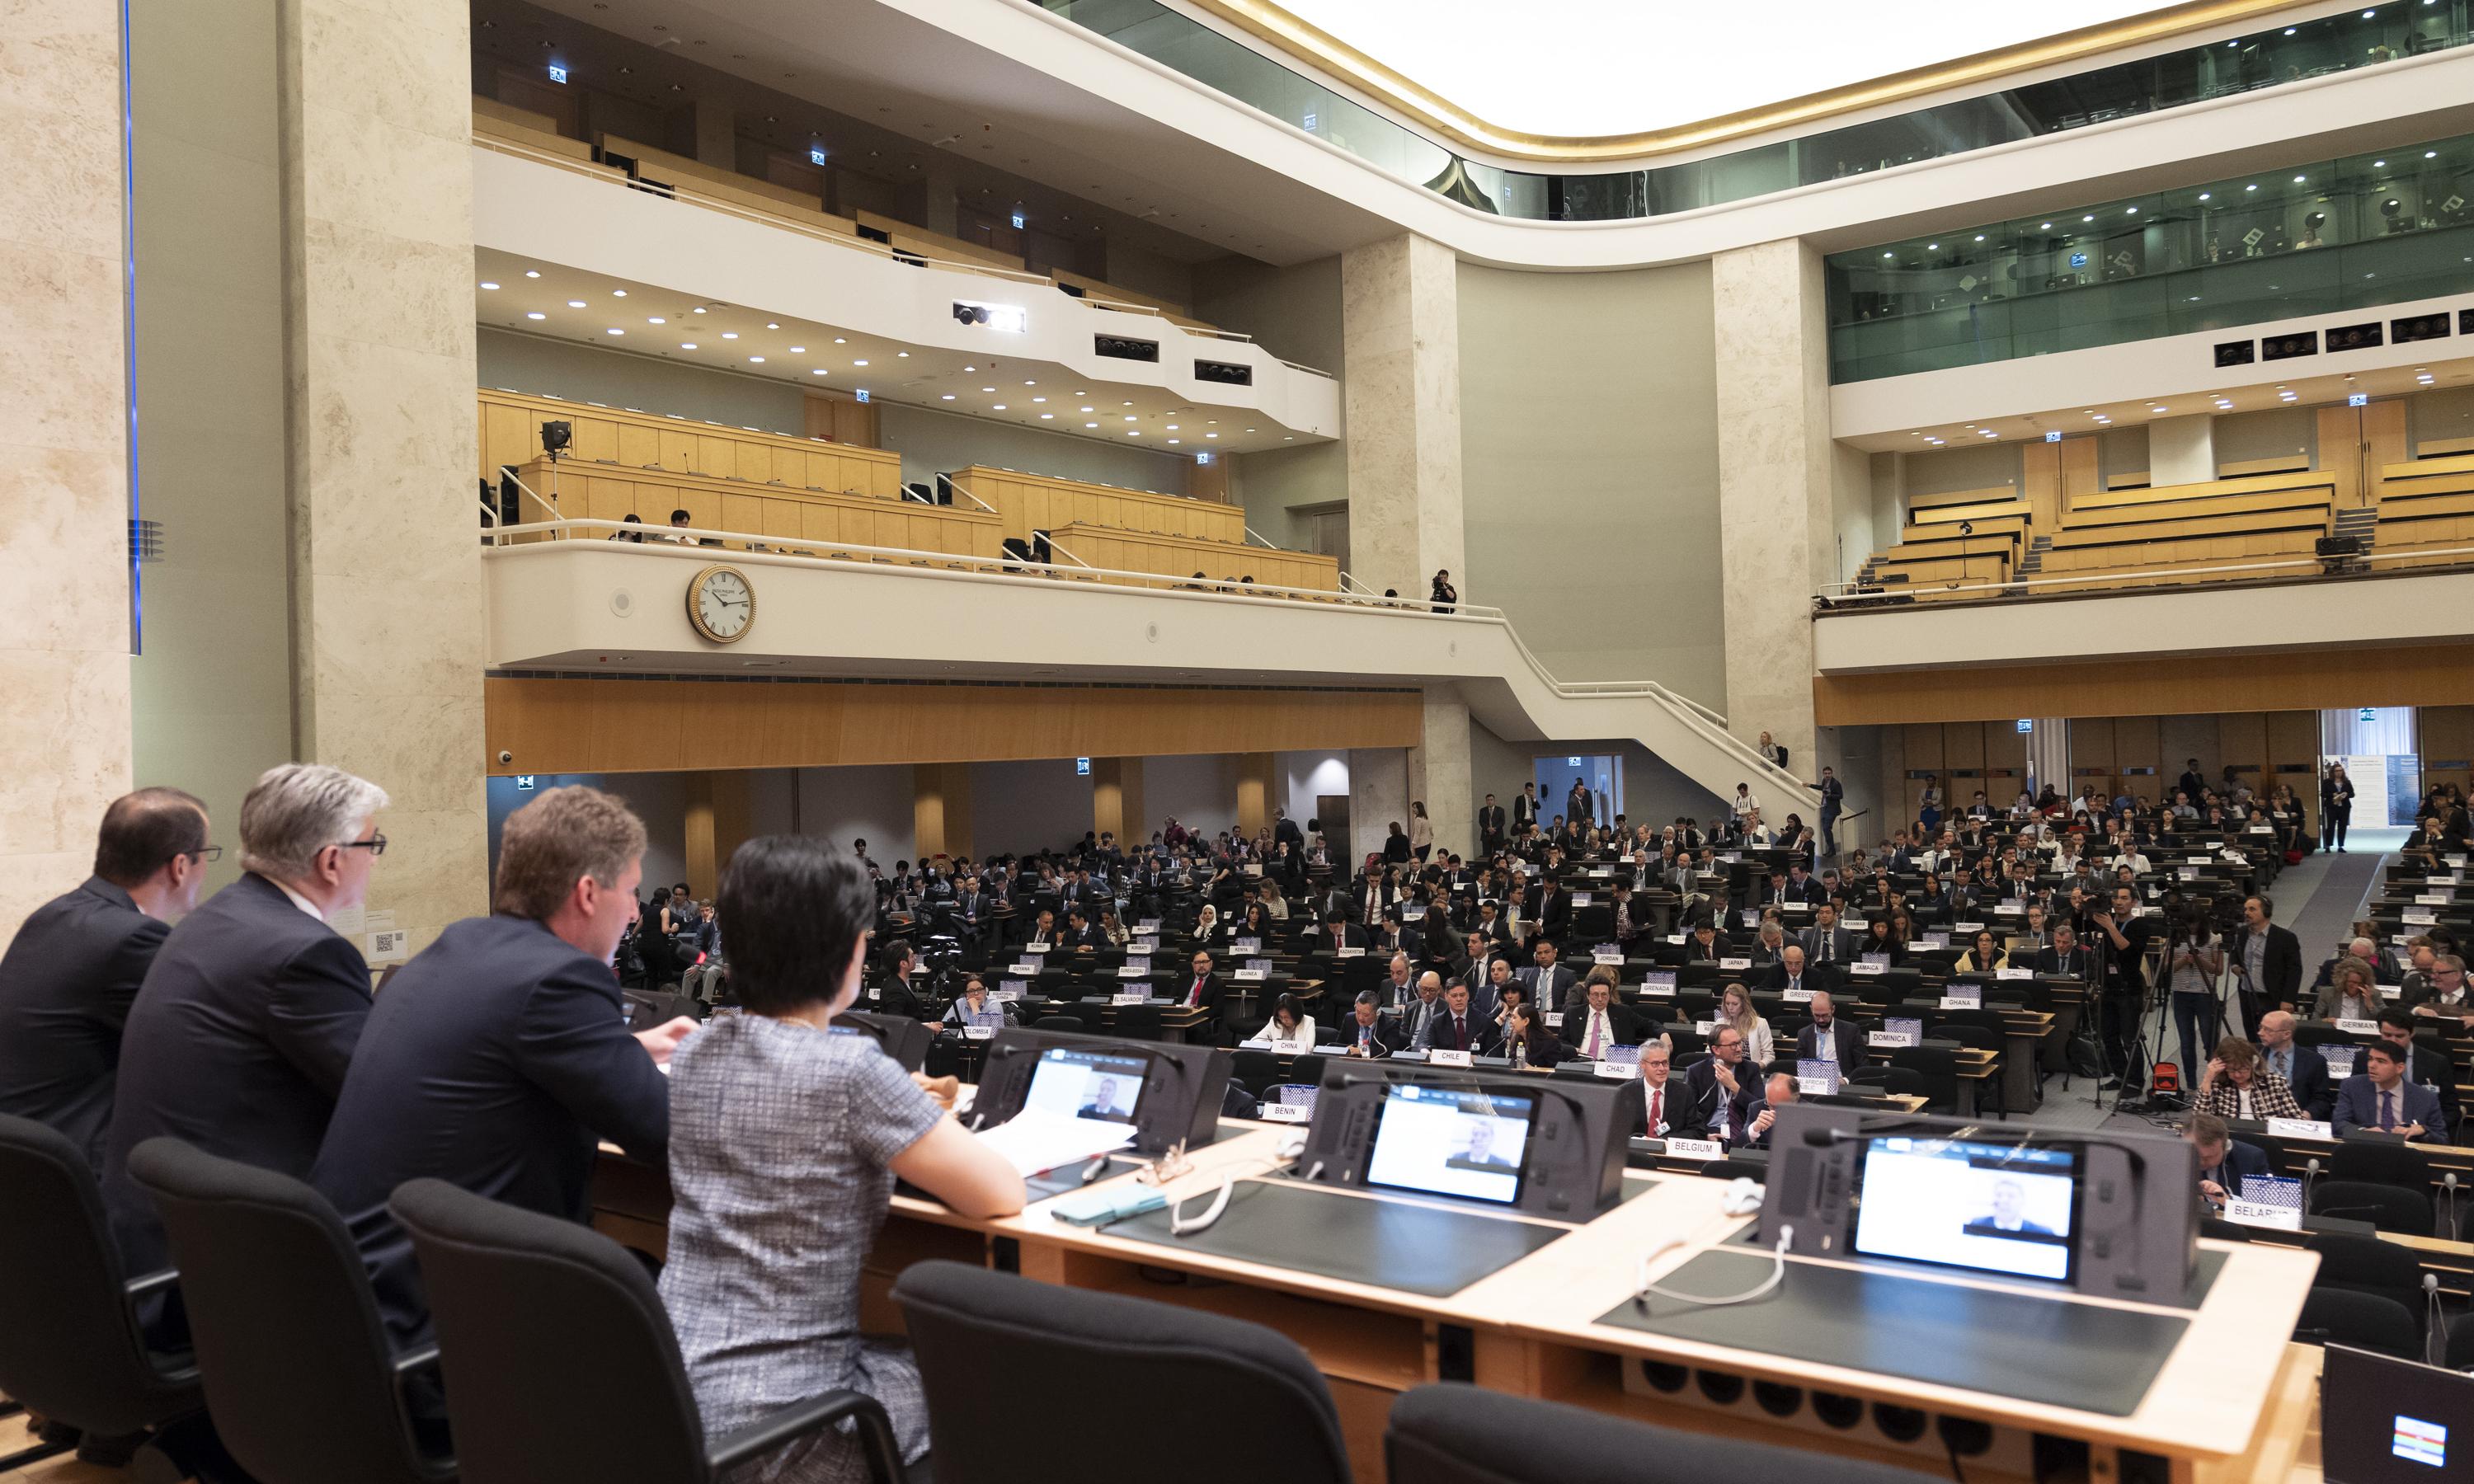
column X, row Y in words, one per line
column 1459, row 1033
column 1657, row 1099
column 1196, row 997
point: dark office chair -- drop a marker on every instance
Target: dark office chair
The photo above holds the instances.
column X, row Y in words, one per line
column 2378, row 1162
column 977, row 1333
column 2365, row 1321
column 2406, row 1213
column 2366, row 1264
column 2224, row 1231
column 1059, row 1022
column 1753, row 1170
column 1255, row 1070
column 1447, row 1433
column 303, row 1383
column 560, row 1362
column 1937, row 1068
column 2461, row 1345
column 1138, row 1022
column 69, row 1343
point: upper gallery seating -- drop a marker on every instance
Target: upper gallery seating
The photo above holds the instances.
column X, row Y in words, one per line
column 621, row 160
column 2427, row 506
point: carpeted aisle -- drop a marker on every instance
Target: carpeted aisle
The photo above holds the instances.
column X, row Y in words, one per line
column 2325, row 917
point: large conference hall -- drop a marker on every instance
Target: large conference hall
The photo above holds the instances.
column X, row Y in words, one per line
column 1237, row 741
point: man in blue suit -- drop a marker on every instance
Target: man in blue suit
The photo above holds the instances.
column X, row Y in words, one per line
column 68, row 978
column 238, row 1039
column 2224, row 1160
column 499, row 1053
column 2378, row 1099
column 2304, row 1069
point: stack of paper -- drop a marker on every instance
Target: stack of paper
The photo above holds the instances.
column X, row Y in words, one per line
column 1035, row 1139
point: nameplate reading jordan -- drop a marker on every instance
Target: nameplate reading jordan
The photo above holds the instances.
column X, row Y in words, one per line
column 2299, row 1128
column 1602, row 956
column 1703, row 1149
column 1620, row 1071
column 1735, row 963
column 2357, row 1027
column 1283, row 1112
column 1796, row 996
column 1441, row 1058
column 1889, row 1039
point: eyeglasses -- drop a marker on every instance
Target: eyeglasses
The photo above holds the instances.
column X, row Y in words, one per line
column 375, row 844
column 205, row 854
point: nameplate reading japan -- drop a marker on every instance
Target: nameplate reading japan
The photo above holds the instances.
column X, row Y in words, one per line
column 1441, row 1058
column 2299, row 1128
column 1734, row 964
column 1704, row 1149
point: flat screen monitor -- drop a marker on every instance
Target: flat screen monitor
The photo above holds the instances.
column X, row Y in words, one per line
column 1992, row 1208
column 2385, row 1421
column 1456, row 1141
column 1088, row 1085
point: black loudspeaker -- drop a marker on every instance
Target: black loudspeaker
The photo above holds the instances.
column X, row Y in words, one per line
column 2420, row 326
column 2340, row 545
column 1225, row 372
column 2236, row 352
column 2355, row 336
column 2284, row 348
column 1120, row 347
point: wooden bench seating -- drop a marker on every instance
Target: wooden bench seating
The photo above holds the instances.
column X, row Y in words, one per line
column 2270, row 505
column 1182, row 557
column 510, row 428
column 1040, row 502
column 1918, row 572
column 2209, row 489
column 2308, row 517
column 2296, row 463
column 601, row 491
column 2128, row 557
column 1977, row 510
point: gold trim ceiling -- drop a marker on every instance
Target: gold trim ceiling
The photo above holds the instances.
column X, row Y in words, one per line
column 1281, row 30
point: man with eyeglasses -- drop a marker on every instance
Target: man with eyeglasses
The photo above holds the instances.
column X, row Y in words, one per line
column 1717, row 1089
column 69, row 975
column 2445, row 997
column 240, row 1039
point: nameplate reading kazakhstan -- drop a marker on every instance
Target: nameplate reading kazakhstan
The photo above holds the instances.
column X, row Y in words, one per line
column 1703, row 1149
column 1441, row 1058
column 2299, row 1128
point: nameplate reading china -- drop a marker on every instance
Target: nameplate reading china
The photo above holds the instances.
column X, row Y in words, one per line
column 1443, row 1058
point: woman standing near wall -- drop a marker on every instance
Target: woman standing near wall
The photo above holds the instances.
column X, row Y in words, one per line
column 2336, row 807
column 1422, row 831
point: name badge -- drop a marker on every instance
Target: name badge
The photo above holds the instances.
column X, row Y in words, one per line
column 1889, row 1039
column 979, row 1032
column 1702, row 1149
column 1283, row 1112
column 1440, row 1058
column 1620, row 1071
column 2014, row 973
column 1247, row 974
column 1129, row 997
column 2252, row 1213
column 2357, row 1027
column 1129, row 971
column 1956, row 999
column 1735, row 963
column 1034, row 948
column 1796, row 996
column 1868, row 971
column 2299, row 1128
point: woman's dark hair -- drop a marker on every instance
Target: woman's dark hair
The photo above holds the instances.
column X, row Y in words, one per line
column 798, row 909
column 1287, row 1004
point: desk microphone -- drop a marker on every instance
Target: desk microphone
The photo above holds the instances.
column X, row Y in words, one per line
column 2310, row 1177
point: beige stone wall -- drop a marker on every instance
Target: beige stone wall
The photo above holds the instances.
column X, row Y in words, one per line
column 64, row 750
column 1400, row 323
column 387, row 601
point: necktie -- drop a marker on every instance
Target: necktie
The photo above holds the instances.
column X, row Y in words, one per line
column 1195, row 997
column 1590, row 1051
column 1656, row 1102
column 1826, row 936
column 1459, row 1033
column 2388, row 1109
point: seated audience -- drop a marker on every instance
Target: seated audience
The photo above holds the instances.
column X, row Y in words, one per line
column 2224, row 1162
column 2379, row 1099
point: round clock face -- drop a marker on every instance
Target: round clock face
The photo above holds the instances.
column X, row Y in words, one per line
column 720, row 603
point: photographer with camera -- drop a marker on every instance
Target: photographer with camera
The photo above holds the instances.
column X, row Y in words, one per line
column 2121, row 942
column 2195, row 965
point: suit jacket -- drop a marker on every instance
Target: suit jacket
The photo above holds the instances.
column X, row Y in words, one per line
column 1386, row 1032
column 1848, row 1041
column 1549, row 987
column 2280, row 967
column 1184, row 992
column 2240, row 1162
column 1624, row 1029
column 2358, row 1108
column 1842, row 941
column 1524, row 810
column 492, row 1062
column 1485, row 1037
column 1815, row 978
column 2080, row 964
column 1696, row 1112
column 2430, row 1070
column 1414, row 1017
column 65, row 987
column 2309, row 1082
column 1490, row 823
column 237, row 1043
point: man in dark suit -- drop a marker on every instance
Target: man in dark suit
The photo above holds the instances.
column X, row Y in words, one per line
column 2224, row 1162
column 500, row 1053
column 240, row 1036
column 2068, row 956
column 1547, row 911
column 1830, row 1038
column 2267, row 957
column 1580, row 808
column 1718, row 1090
column 1490, row 825
column 896, row 996
column 1367, row 1034
column 1423, row 1009
column 2379, row 1099
column 1598, row 1022
column 1524, row 809
column 2304, row 1069
column 69, row 975
column 1203, row 989
column 1826, row 941
column 1800, row 885
column 1460, row 1028
column 1285, row 831
column 2424, row 1067
column 1790, row 974
column 1550, row 983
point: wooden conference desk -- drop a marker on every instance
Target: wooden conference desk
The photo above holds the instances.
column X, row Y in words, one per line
column 2231, row 1403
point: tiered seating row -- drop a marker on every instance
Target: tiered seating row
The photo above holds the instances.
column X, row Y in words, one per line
column 511, row 435
column 2426, row 506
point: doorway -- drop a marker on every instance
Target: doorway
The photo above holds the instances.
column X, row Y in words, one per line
column 2381, row 748
column 1601, row 772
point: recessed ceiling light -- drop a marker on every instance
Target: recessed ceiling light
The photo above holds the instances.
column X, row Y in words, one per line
column 2298, row 180
column 2204, row 195
column 2133, row 211
column 2089, row 217
column 1211, row 435
column 1979, row 236
column 1090, row 409
column 730, row 334
column 987, row 389
column 2431, row 154
column 837, row 339
column 2251, row 187
column 2379, row 164
column 1031, row 383
column 1124, row 404
column 1932, row 247
column 687, row 345
column 699, row 308
column 656, row 321
column 1177, row 439
column 1129, row 416
column 820, row 372
column 998, row 407
column 1172, row 427
column 575, row 303
column 770, row 326
column 613, row 332
column 488, row 285
column 2155, row 409
column 535, row 273
column 798, row 349
column 970, row 368
column 948, row 396
column 618, row 293
column 2048, row 227
column 859, row 363
column 1133, row 431
column 535, row 314
column 1889, row 254
column 756, row 360
column 902, row 355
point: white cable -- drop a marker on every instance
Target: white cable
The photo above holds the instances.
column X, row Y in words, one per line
column 1778, row 1276
column 1179, row 1226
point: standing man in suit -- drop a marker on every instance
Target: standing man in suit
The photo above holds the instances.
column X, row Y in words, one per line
column 501, row 1053
column 2224, row 1162
column 1580, row 808
column 1549, row 909
column 1524, row 810
column 2379, row 1099
column 2067, row 957
column 2304, row 1069
column 1826, row 941
column 2269, row 957
column 1549, row 983
column 1459, row 1028
column 1366, row 1033
column 1489, row 827
column 1716, row 1090
column 1285, row 831
column 68, row 977
column 1834, row 798
column 1828, row 1038
column 240, row 1039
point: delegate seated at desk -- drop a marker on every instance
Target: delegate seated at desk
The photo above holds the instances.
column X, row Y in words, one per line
column 1718, row 1090
column 2379, row 1099
column 2224, row 1160
column 772, row 1101
column 1458, row 1027
column 1368, row 1034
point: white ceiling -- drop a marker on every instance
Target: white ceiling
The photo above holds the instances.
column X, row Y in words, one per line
column 1579, row 68
column 585, row 308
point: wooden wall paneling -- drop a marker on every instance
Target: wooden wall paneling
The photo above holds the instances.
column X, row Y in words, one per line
column 2139, row 756
column 611, row 493
column 1897, row 794
column 2005, row 759
column 2242, row 745
column 632, row 438
column 940, row 806
column 2384, row 442
column 1962, row 748
column 856, row 424
column 2040, row 484
column 2298, row 680
column 2079, row 461
column 594, row 726
column 1210, row 481
column 2092, row 754
column 1924, row 756
column 1254, row 789
column 2446, row 734
column 2341, row 452
column 2293, row 757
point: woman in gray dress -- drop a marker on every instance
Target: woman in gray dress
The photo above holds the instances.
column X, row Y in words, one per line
column 785, row 1136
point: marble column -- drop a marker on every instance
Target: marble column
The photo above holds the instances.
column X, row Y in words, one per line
column 1439, row 774
column 65, row 735
column 388, row 643
column 1378, row 794
column 1400, row 324
column 1775, row 498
